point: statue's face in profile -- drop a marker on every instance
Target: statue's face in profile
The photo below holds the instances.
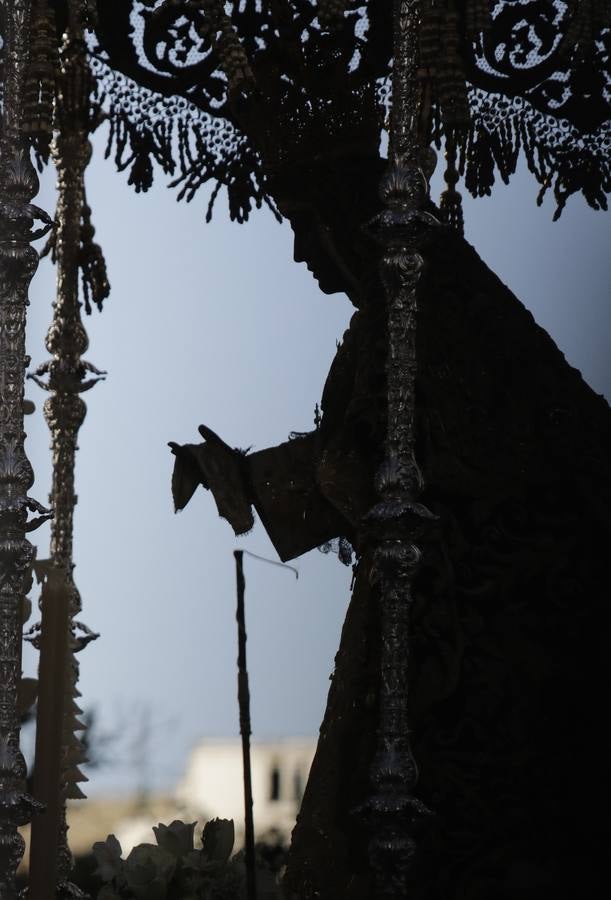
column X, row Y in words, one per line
column 312, row 245
column 327, row 208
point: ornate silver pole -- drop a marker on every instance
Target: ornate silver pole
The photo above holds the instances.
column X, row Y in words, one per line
column 397, row 520
column 18, row 263
column 64, row 412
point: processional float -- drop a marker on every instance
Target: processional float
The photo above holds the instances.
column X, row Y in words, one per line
column 259, row 98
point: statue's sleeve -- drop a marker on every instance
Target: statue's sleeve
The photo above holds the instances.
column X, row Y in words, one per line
column 286, row 495
column 280, row 482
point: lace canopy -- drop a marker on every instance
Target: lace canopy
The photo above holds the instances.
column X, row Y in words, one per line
column 219, row 92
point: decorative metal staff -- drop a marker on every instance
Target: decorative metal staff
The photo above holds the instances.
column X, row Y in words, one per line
column 59, row 753
column 18, row 263
column 245, row 729
column 244, row 707
column 397, row 520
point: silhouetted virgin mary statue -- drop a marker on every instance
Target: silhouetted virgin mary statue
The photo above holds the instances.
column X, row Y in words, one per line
column 285, row 103
column 508, row 643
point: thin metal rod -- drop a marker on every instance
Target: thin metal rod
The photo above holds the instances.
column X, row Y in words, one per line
column 245, row 729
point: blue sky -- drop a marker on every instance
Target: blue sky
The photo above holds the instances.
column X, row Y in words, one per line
column 216, row 324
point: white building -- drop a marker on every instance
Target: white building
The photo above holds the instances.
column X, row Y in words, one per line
column 213, row 784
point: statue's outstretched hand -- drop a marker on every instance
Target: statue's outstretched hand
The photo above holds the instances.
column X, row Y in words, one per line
column 220, row 469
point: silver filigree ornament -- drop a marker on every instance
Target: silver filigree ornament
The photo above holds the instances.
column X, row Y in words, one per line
column 21, row 222
column 398, row 520
column 64, row 410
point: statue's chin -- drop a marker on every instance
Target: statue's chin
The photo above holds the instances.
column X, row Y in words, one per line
column 326, row 282
column 327, row 288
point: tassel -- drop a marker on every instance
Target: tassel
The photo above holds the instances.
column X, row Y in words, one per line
column 92, row 264
column 430, row 46
column 39, row 91
column 231, row 54
column 450, row 204
column 452, row 88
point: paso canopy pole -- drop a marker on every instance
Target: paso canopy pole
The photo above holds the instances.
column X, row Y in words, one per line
column 18, row 263
column 398, row 521
column 59, row 751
